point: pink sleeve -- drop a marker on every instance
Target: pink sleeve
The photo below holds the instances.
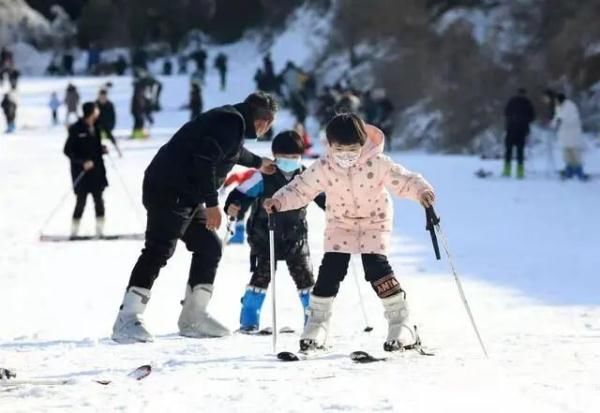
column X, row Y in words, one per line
column 302, row 189
column 404, row 183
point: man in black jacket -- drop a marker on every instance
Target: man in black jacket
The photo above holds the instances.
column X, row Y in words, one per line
column 107, row 118
column 84, row 149
column 519, row 113
column 181, row 199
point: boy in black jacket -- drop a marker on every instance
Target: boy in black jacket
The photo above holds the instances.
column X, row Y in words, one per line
column 291, row 243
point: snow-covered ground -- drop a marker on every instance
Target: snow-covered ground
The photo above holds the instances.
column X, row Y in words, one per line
column 527, row 252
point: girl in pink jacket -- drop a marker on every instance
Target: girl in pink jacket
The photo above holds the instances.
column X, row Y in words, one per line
column 356, row 177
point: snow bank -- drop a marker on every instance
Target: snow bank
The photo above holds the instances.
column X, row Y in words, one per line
column 19, row 22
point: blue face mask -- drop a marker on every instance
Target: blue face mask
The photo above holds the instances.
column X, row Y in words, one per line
column 288, row 165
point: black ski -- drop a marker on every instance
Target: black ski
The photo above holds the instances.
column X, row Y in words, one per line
column 364, row 357
column 113, row 237
column 138, row 374
column 267, row 331
column 302, row 355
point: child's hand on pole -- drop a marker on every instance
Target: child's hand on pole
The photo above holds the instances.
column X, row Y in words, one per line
column 271, row 205
column 233, row 210
column 427, row 199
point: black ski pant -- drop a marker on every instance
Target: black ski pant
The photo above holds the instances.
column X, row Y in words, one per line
column 299, row 267
column 138, row 121
column 515, row 139
column 81, row 201
column 169, row 221
column 335, row 266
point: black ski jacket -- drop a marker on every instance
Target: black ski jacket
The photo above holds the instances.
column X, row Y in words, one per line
column 291, row 228
column 83, row 144
column 519, row 113
column 107, row 118
column 196, row 160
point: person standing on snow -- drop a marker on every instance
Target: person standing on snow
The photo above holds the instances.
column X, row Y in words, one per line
column 71, row 102
column 138, row 110
column 9, row 107
column 54, row 105
column 107, row 118
column 85, row 151
column 355, row 177
column 519, row 114
column 180, row 195
column 221, row 65
column 196, row 102
column 567, row 123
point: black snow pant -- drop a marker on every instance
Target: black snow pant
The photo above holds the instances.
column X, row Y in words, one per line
column 299, row 267
column 515, row 138
column 377, row 271
column 81, row 201
column 169, row 221
column 138, row 121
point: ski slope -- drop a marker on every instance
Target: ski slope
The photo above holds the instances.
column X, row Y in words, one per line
column 526, row 251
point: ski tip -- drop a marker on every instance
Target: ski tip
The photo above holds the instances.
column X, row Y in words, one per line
column 364, row 357
column 287, row 356
column 141, row 372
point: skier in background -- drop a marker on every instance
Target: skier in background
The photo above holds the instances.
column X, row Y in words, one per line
column 85, row 150
column 54, row 105
column 355, row 177
column 180, row 195
column 567, row 123
column 138, row 111
column 199, row 57
column 221, row 66
column 519, row 114
column 291, row 242
column 196, row 103
column 71, row 102
column 9, row 107
column 107, row 118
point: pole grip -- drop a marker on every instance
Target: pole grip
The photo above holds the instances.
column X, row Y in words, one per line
column 433, row 220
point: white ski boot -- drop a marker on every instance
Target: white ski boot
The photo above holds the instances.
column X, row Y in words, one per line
column 316, row 329
column 129, row 327
column 100, row 227
column 194, row 320
column 396, row 312
column 75, row 227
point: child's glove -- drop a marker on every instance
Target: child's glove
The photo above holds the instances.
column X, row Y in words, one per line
column 233, row 210
column 427, row 198
column 271, row 205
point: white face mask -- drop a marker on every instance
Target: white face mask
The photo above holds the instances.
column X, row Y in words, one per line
column 346, row 159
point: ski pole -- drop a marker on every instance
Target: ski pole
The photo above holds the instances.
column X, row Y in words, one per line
column 434, row 220
column 368, row 327
column 127, row 193
column 273, row 277
column 62, row 200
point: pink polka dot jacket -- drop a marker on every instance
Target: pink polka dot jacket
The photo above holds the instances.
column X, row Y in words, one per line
column 359, row 209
